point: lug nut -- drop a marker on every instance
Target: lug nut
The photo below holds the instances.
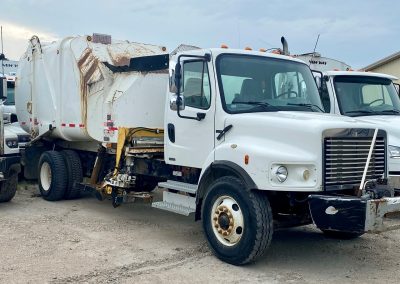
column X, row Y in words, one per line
column 219, row 231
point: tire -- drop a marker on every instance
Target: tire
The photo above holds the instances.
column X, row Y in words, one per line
column 8, row 188
column 52, row 173
column 74, row 173
column 341, row 235
column 251, row 233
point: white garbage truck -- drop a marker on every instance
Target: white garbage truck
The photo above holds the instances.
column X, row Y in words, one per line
column 222, row 132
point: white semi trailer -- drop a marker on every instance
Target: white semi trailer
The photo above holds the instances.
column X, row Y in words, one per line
column 220, row 130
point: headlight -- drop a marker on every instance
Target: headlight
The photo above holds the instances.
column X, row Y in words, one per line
column 281, row 173
column 394, row 151
column 12, row 143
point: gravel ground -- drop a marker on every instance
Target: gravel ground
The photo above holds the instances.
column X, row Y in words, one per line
column 89, row 241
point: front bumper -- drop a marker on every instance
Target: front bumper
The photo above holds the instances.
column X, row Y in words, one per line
column 352, row 214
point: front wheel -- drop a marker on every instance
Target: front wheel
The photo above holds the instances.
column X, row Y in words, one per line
column 237, row 222
column 8, row 188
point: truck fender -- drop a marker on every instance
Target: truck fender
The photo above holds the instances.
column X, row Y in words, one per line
column 218, row 169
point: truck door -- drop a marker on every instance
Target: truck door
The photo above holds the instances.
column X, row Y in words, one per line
column 190, row 133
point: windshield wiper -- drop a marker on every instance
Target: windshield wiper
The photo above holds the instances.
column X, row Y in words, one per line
column 390, row 111
column 306, row 105
column 263, row 104
column 359, row 111
column 354, row 113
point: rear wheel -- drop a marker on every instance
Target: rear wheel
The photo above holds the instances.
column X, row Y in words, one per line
column 52, row 176
column 237, row 222
column 74, row 173
column 8, row 188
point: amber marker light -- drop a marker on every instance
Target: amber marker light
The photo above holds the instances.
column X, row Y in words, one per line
column 224, row 46
column 248, row 48
column 246, row 159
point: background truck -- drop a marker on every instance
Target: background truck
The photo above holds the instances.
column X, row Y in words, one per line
column 9, row 150
column 224, row 133
column 368, row 96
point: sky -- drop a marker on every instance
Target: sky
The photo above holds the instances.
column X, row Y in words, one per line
column 357, row 32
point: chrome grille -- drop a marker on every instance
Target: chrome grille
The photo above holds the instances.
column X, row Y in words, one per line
column 345, row 159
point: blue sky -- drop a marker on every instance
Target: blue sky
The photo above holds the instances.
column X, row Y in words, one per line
column 356, row 32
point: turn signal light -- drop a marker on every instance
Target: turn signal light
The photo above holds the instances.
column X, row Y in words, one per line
column 224, row 46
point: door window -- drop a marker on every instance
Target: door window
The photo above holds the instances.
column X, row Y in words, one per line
column 196, row 86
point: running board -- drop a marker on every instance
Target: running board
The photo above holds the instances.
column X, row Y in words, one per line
column 177, row 203
column 179, row 186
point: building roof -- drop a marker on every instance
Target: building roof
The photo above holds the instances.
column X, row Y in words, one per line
column 383, row 61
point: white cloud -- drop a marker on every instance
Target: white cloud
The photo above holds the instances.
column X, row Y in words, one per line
column 15, row 38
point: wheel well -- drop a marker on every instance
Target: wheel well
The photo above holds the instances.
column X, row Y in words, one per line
column 217, row 170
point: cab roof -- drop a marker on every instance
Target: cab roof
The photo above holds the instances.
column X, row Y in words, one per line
column 359, row 73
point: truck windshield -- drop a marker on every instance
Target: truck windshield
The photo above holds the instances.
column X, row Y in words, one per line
column 257, row 84
column 365, row 95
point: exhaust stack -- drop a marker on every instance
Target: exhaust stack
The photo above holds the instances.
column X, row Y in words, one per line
column 285, row 48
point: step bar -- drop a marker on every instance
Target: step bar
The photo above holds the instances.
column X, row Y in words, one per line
column 179, row 186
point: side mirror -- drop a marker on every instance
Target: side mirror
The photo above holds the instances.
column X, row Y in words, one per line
column 318, row 81
column 7, row 117
column 175, row 101
column 3, row 88
column 178, row 76
column 172, row 86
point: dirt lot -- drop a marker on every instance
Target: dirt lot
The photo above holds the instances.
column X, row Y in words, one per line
column 89, row 241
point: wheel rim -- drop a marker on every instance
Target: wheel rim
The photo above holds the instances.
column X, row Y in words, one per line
column 227, row 220
column 45, row 176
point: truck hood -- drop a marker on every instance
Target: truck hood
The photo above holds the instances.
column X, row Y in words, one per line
column 301, row 122
column 292, row 135
column 390, row 123
column 15, row 128
column 293, row 139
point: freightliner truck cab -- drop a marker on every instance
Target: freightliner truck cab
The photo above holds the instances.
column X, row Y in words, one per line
column 253, row 124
